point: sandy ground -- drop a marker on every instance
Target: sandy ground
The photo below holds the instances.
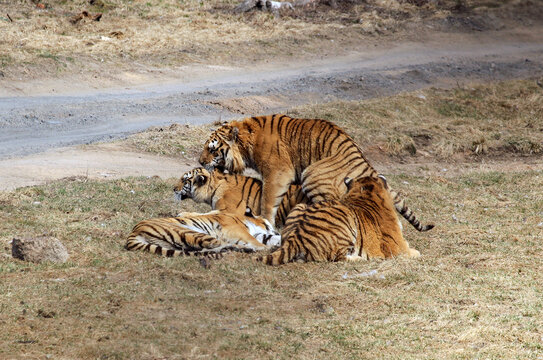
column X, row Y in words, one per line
column 34, row 121
column 101, row 161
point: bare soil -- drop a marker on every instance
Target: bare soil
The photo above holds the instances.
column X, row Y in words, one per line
column 99, row 161
column 33, row 122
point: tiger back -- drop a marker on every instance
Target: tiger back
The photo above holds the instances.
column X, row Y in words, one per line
column 232, row 192
column 362, row 225
column 202, row 234
column 314, row 153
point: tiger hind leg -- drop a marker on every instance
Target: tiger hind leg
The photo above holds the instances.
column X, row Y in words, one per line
column 274, row 189
column 286, row 253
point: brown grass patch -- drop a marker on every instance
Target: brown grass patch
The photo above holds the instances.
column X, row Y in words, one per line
column 181, row 141
column 497, row 119
column 475, row 121
column 473, row 293
column 249, row 104
column 133, row 35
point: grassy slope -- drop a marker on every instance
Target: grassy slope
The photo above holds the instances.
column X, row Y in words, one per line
column 475, row 292
column 487, row 119
column 136, row 35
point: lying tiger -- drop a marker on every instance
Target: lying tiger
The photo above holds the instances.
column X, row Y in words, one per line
column 203, row 234
column 232, row 192
column 314, row 153
column 362, row 225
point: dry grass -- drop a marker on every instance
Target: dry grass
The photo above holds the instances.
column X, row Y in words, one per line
column 475, row 292
column 497, row 119
column 134, row 35
column 500, row 119
column 180, row 141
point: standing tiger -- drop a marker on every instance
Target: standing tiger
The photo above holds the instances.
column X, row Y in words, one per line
column 314, row 153
column 203, row 234
column 232, row 192
column 362, row 225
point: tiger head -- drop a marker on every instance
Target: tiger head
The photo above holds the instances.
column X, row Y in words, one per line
column 222, row 151
column 367, row 187
column 197, row 184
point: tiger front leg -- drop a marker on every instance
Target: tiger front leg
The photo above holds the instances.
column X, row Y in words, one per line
column 240, row 237
column 274, row 188
column 188, row 214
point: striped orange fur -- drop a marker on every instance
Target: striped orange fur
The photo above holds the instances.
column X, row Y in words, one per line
column 202, row 234
column 362, row 225
column 233, row 192
column 314, row 153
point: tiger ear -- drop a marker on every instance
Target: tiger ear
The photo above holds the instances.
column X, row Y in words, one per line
column 383, row 180
column 201, row 180
column 234, row 132
column 249, row 212
column 348, row 182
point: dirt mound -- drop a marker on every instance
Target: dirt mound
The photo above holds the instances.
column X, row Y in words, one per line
column 250, row 104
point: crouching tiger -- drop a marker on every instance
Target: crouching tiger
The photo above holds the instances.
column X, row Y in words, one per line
column 314, row 153
column 362, row 225
column 203, row 234
column 232, row 192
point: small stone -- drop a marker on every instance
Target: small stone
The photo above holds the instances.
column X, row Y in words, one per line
column 205, row 262
column 46, row 314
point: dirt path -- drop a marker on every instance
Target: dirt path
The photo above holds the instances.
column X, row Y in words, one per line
column 32, row 122
column 102, row 161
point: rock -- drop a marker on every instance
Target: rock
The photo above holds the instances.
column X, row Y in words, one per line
column 39, row 249
column 205, row 262
column 269, row 5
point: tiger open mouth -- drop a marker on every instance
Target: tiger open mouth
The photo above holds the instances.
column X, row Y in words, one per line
column 182, row 194
column 179, row 196
column 219, row 165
